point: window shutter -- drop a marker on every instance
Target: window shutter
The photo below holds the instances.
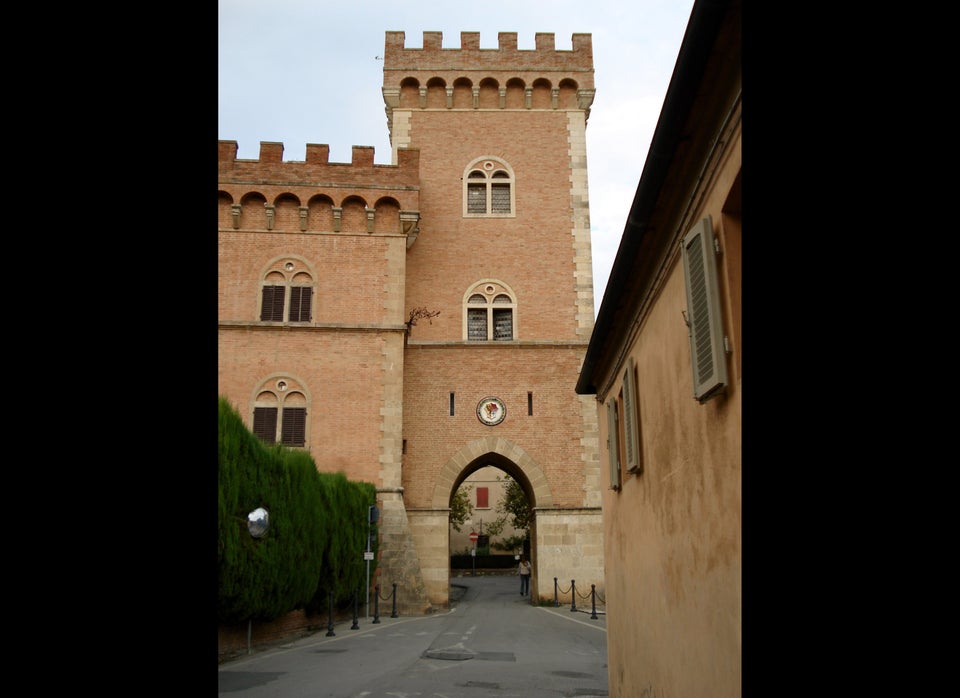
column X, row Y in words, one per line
column 300, row 303
column 272, row 306
column 613, row 448
column 294, row 431
column 483, row 497
column 631, row 442
column 265, row 424
column 703, row 312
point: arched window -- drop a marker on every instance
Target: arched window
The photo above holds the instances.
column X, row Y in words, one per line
column 488, row 189
column 280, row 412
column 490, row 313
column 287, row 292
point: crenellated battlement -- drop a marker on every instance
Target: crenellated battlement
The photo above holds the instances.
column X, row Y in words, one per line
column 272, row 194
column 469, row 57
column 474, row 78
column 317, row 167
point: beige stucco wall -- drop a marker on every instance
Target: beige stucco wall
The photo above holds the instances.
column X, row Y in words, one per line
column 672, row 534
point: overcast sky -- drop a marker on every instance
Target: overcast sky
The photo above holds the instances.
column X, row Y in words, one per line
column 283, row 65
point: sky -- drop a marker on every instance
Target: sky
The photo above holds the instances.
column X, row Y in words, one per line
column 310, row 71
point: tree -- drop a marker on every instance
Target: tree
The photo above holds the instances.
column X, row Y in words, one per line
column 461, row 509
column 514, row 503
column 514, row 507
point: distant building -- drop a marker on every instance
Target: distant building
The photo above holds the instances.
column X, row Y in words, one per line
column 487, row 488
column 665, row 365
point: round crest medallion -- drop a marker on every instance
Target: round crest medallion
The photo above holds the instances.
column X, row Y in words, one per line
column 490, row 411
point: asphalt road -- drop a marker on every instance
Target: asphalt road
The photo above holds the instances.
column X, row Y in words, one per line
column 492, row 642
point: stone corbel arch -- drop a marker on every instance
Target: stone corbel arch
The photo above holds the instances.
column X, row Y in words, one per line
column 501, row 450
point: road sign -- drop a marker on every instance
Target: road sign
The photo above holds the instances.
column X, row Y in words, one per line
column 368, row 556
column 473, row 536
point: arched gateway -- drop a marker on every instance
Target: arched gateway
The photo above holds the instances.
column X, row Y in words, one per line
column 566, row 542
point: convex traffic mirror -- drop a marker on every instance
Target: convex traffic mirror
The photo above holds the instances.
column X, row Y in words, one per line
column 258, row 521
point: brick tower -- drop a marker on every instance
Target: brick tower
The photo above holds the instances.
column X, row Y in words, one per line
column 504, row 254
column 481, row 222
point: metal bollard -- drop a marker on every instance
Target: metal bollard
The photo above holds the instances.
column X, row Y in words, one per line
column 593, row 601
column 355, row 626
column 330, row 632
column 573, row 595
column 556, row 599
column 394, row 613
column 376, row 604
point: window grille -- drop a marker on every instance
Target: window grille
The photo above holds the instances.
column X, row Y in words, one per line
column 501, row 198
column 502, row 324
column 477, row 324
column 490, row 319
column 488, row 189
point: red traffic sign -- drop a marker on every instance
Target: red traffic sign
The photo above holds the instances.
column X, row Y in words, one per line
column 473, row 536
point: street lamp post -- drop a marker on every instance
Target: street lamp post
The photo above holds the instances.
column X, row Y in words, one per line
column 373, row 515
column 258, row 521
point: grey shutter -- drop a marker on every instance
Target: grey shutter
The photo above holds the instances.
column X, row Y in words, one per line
column 703, row 312
column 613, row 448
column 630, row 421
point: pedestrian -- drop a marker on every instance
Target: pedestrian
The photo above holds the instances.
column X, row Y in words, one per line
column 524, row 572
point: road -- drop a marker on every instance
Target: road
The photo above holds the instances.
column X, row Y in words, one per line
column 492, row 642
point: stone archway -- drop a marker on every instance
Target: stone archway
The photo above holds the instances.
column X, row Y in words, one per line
column 430, row 527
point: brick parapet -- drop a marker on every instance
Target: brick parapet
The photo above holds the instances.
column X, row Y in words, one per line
column 271, row 176
column 576, row 63
column 317, row 168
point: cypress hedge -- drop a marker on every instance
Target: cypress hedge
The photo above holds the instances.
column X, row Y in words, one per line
column 316, row 536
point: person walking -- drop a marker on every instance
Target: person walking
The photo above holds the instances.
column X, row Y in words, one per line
column 524, row 572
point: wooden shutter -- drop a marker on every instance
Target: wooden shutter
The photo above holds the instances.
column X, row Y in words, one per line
column 300, row 297
column 483, row 497
column 265, row 424
column 704, row 326
column 613, row 447
column 631, row 421
column 271, row 309
column 294, row 430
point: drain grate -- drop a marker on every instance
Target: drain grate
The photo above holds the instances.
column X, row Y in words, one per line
column 458, row 654
column 455, row 655
column 572, row 674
